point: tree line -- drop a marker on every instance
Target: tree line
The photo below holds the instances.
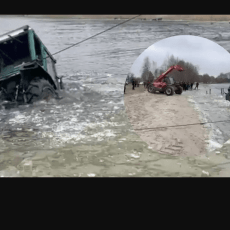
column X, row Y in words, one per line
column 150, row 72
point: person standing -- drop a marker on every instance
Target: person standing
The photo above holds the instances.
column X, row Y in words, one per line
column 197, row 84
column 191, row 85
column 227, row 97
column 124, row 87
column 184, row 88
column 133, row 82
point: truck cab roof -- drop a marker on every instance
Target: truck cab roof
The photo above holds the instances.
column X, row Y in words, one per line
column 22, row 30
column 8, row 35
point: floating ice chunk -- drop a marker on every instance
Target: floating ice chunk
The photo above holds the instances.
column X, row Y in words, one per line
column 18, row 119
column 218, row 131
column 227, row 142
column 206, row 173
column 212, row 145
column 27, row 165
column 133, row 155
column 91, row 174
column 131, row 174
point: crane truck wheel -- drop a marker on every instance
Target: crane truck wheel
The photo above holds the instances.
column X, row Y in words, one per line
column 151, row 89
column 39, row 89
column 179, row 90
column 169, row 91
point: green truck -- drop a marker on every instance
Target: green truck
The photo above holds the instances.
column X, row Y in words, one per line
column 27, row 69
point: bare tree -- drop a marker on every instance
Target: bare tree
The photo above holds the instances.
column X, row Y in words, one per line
column 206, row 78
column 145, row 69
column 150, row 77
column 146, row 65
column 154, row 66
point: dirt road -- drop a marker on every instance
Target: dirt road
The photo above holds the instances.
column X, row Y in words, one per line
column 147, row 110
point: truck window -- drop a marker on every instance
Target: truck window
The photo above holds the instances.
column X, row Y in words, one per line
column 13, row 52
column 171, row 80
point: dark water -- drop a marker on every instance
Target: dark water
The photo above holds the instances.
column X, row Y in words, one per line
column 87, row 133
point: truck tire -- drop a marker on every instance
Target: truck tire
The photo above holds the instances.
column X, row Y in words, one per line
column 179, row 90
column 39, row 89
column 169, row 91
column 151, row 89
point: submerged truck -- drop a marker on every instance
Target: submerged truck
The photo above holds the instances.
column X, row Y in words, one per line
column 27, row 69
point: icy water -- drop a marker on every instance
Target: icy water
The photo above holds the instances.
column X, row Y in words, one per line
column 212, row 106
column 87, row 134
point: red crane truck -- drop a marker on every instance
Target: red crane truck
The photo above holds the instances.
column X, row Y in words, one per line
column 165, row 84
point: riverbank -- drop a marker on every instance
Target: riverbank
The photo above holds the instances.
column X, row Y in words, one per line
column 142, row 17
column 147, row 110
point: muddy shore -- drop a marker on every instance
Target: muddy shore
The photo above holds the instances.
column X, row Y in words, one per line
column 142, row 17
column 147, row 110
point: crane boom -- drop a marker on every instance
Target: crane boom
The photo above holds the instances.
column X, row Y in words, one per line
column 170, row 69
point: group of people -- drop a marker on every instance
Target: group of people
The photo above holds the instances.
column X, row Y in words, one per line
column 184, row 85
column 135, row 83
column 187, row 85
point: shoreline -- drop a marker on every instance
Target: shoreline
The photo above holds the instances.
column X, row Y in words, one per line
column 192, row 18
column 146, row 110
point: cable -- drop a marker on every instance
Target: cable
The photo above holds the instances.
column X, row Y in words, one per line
column 95, row 35
column 182, row 125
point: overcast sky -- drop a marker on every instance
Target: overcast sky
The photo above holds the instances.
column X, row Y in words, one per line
column 212, row 58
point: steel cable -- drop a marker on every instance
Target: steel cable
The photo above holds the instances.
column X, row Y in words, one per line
column 165, row 127
column 95, row 35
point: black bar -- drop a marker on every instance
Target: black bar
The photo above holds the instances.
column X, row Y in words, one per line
column 15, row 39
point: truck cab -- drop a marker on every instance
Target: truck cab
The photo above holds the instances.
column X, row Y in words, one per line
column 27, row 69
